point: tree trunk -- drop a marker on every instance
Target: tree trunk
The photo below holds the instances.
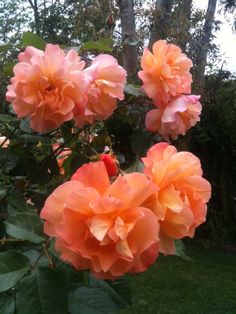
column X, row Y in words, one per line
column 201, row 59
column 129, row 38
column 161, row 19
column 184, row 11
column 34, row 6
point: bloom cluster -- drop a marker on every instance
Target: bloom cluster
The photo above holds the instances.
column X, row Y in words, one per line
column 115, row 224
column 167, row 80
column 120, row 227
column 52, row 87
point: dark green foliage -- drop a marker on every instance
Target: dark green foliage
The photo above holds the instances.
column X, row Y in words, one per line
column 213, row 141
column 42, row 292
column 13, row 266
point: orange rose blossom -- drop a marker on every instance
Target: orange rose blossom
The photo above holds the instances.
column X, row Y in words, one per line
column 109, row 223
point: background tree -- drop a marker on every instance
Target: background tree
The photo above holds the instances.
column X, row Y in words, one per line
column 129, row 38
column 204, row 44
column 161, row 20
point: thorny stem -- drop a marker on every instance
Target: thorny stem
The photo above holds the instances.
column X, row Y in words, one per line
column 94, row 150
column 44, row 251
column 58, row 150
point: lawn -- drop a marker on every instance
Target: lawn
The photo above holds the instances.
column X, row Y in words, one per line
column 205, row 285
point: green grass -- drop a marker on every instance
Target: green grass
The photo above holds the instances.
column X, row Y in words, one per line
column 207, row 285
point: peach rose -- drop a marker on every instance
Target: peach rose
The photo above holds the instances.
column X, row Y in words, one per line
column 182, row 194
column 47, row 86
column 107, row 84
column 102, row 226
column 165, row 72
column 176, row 118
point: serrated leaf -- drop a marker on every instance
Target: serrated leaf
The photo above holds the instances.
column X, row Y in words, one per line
column 31, row 39
column 18, row 202
column 25, row 226
column 13, row 266
column 7, row 305
column 89, row 300
column 181, row 251
column 43, row 292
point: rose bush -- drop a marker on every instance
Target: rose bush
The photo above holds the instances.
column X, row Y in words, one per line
column 78, row 205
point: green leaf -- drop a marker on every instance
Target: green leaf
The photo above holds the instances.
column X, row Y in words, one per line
column 8, row 161
column 135, row 167
column 118, row 291
column 181, row 251
column 96, row 45
column 8, row 68
column 7, row 119
column 25, row 126
column 31, row 39
column 13, row 266
column 140, row 141
column 43, row 292
column 27, row 138
column 7, row 305
column 66, row 130
column 74, row 161
column 3, row 193
column 52, row 165
column 34, row 255
column 18, row 202
column 25, row 226
column 89, row 300
column 122, row 287
column 132, row 90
